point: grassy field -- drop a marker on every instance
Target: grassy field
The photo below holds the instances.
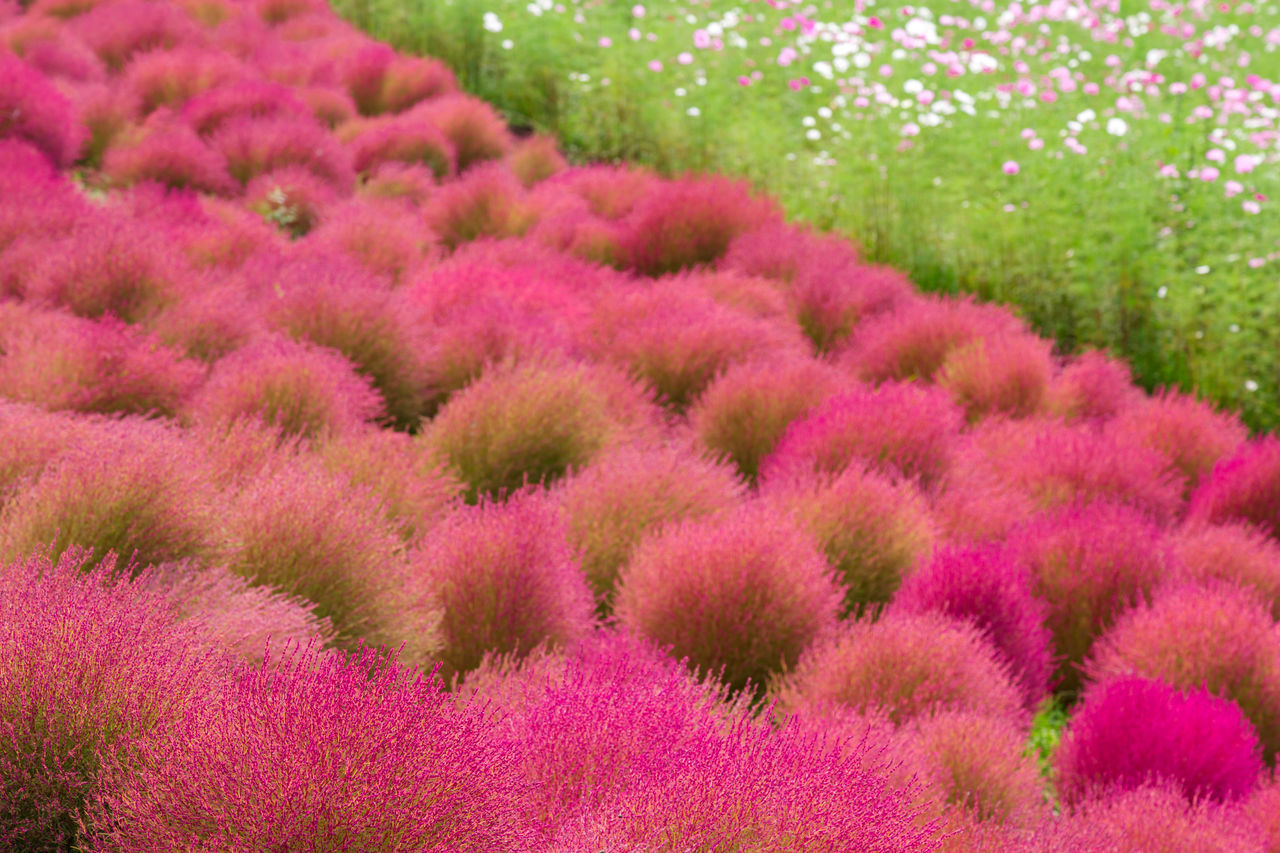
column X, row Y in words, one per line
column 1110, row 168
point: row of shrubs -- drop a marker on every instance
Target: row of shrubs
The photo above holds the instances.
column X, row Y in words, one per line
column 688, row 529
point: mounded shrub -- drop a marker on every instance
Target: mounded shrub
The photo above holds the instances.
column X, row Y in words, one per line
column 33, row 110
column 1006, row 375
column 1191, row 434
column 488, row 202
column 1233, row 553
column 1244, row 487
column 1094, row 387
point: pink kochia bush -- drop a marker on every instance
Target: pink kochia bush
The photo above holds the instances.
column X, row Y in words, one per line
column 1244, row 487
column 300, row 388
column 32, row 109
column 1128, row 732
column 88, row 666
column 987, row 587
column 611, row 504
column 902, row 666
column 320, row 753
column 1191, row 434
column 1234, row 553
column 741, row 594
column 506, row 580
column 1221, row 638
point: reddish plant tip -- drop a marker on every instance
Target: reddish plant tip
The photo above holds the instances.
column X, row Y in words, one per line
column 1128, row 732
column 742, row 594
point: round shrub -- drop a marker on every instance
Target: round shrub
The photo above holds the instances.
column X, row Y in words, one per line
column 535, row 159
column 255, row 146
column 170, row 78
column 902, row 666
column 532, row 422
column 488, row 202
column 208, row 111
column 1221, row 638
column 291, row 198
column 168, row 153
column 506, row 579
column 612, row 503
column 1094, row 387
column 117, row 31
column 1245, row 487
column 475, row 130
column 1128, row 732
column 409, row 139
column 1190, row 434
column 741, row 594
column 33, row 110
column 31, row 438
column 387, row 238
column 298, row 387
column 987, row 587
column 745, row 411
column 1089, row 565
column 89, row 665
column 375, row 757
column 1234, row 553
column 902, row 428
column 871, row 529
column 1007, row 375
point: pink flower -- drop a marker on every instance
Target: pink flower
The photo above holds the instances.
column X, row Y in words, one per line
column 1035, row 144
column 1251, row 207
column 605, row 41
column 655, row 65
column 1209, row 174
column 1255, row 263
column 1010, row 167
column 633, row 34
column 875, row 23
column 637, row 10
column 1090, row 88
column 1216, row 155
column 685, row 58
column 1233, row 188
column 701, row 39
column 1245, row 164
column 1168, row 170
column 744, row 81
column 1028, row 133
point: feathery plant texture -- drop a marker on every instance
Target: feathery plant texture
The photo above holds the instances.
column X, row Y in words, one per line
column 741, row 594
column 1128, row 732
column 1234, row 552
column 1190, row 433
column 35, row 111
column 1244, row 487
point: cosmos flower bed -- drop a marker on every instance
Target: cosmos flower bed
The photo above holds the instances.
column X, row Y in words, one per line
column 373, row 481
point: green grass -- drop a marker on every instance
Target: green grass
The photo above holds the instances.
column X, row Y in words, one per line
column 1096, row 248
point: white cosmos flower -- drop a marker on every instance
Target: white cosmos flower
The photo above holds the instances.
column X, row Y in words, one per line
column 1117, row 127
column 492, row 22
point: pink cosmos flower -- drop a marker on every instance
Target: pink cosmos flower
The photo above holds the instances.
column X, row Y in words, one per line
column 1010, row 167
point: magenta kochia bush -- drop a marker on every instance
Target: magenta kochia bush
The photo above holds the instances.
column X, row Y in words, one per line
column 87, row 667
column 871, row 528
column 65, row 362
column 689, row 222
column 320, row 753
column 1089, row 565
column 903, row 666
column 116, row 31
column 1235, row 553
column 506, row 579
column 30, row 438
column 1191, row 434
column 380, row 81
column 298, row 387
column 1219, row 637
column 405, row 139
column 129, row 487
column 986, row 586
column 746, row 591
column 1008, row 375
column 387, row 238
column 291, row 197
column 488, row 202
column 169, row 153
column 612, row 503
column 474, row 129
column 1094, row 387
column 254, row 98
column 532, row 422
column 1245, row 487
column 1128, row 732
column 902, row 428
column 253, row 146
column 745, row 411
column 32, row 109
column 312, row 534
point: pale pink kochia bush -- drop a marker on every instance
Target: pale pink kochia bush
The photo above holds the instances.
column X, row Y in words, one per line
column 129, row 486
column 689, row 222
column 1093, row 386
column 31, row 438
column 829, row 291
column 1245, row 487
column 88, row 665
column 169, row 153
column 335, row 304
column 475, row 130
column 1128, row 732
column 902, row 666
column 532, row 422
column 1007, row 375
column 254, row 146
column 1221, row 638
column 410, row 139
column 901, row 428
column 914, row 340
column 230, row 615
column 745, row 411
column 758, row 297
column 629, row 492
column 1089, row 565
column 1264, row 808
column 1233, row 553
column 1151, row 819
column 506, row 579
column 1052, row 465
column 1191, row 434
column 986, row 586
column 677, row 340
column 117, row 30
column 973, row 768
column 741, row 594
column 871, row 528
column 399, row 182
column 312, row 534
column 535, row 159
column 291, row 197
column 170, row 78
column 207, row 325
column 487, row 202
column 301, row 388
column 33, row 110
column 111, row 265
column 415, row 490
column 64, row 362
column 320, row 753
column 380, row 81
column 387, row 238
column 611, row 192
column 208, row 111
